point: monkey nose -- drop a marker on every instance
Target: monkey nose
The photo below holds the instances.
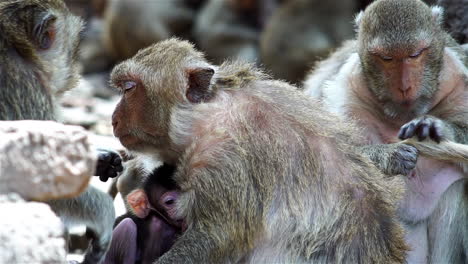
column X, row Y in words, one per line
column 405, row 90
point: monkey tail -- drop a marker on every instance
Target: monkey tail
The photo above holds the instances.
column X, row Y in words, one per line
column 445, row 150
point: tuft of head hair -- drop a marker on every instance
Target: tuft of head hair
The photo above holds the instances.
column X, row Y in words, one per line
column 170, row 50
column 399, row 22
column 237, row 74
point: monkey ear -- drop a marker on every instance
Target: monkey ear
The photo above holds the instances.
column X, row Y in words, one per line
column 437, row 14
column 43, row 34
column 199, row 82
column 139, row 203
column 357, row 20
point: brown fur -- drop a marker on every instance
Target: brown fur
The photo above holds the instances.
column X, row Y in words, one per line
column 266, row 176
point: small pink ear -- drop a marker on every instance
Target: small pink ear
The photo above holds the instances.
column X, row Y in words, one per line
column 139, row 203
column 199, row 82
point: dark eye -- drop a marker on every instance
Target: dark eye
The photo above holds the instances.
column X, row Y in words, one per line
column 128, row 85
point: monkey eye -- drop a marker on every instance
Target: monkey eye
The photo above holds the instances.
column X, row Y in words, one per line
column 417, row 53
column 128, row 85
column 385, row 58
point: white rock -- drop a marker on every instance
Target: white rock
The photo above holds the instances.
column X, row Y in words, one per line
column 44, row 160
column 29, row 233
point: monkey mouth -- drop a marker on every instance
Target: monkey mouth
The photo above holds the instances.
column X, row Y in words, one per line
column 127, row 140
column 407, row 103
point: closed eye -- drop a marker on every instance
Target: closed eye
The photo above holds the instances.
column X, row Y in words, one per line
column 385, row 58
column 128, row 85
column 417, row 53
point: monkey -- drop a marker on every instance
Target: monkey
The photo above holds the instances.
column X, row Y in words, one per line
column 147, row 233
column 230, row 29
column 303, row 31
column 132, row 25
column 456, row 21
column 264, row 175
column 38, row 49
column 404, row 77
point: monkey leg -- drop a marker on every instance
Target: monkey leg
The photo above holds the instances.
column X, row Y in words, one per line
column 448, row 226
column 123, row 248
column 95, row 210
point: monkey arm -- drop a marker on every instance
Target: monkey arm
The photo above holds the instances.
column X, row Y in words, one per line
column 216, row 232
column 391, row 159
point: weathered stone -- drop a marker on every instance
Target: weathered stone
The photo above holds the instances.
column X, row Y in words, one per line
column 29, row 232
column 43, row 160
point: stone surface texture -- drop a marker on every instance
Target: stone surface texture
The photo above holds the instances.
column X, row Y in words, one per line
column 29, row 232
column 44, row 160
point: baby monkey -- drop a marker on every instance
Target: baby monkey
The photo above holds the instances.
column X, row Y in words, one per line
column 150, row 229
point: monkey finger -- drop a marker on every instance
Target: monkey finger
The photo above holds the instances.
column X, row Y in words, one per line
column 103, row 178
column 435, row 133
column 422, row 131
column 409, row 130
column 117, row 161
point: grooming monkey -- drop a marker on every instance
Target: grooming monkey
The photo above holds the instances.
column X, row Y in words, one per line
column 405, row 77
column 38, row 47
column 265, row 175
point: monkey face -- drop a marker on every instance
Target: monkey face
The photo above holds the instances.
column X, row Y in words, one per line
column 153, row 84
column 132, row 120
column 401, row 55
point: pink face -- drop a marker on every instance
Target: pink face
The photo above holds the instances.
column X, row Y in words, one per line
column 130, row 117
column 403, row 72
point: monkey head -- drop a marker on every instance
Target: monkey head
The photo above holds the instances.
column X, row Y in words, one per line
column 401, row 46
column 157, row 197
column 43, row 34
column 168, row 75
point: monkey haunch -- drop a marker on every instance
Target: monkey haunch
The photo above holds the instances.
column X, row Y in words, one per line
column 265, row 175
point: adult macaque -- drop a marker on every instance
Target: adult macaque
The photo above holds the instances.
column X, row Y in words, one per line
column 38, row 47
column 132, row 25
column 303, row 31
column 264, row 174
column 230, row 29
column 151, row 228
column 405, row 77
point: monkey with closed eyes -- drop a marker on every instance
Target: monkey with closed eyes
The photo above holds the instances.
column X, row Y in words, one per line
column 404, row 77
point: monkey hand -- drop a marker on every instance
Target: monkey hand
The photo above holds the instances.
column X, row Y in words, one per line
column 109, row 164
column 426, row 127
column 402, row 160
